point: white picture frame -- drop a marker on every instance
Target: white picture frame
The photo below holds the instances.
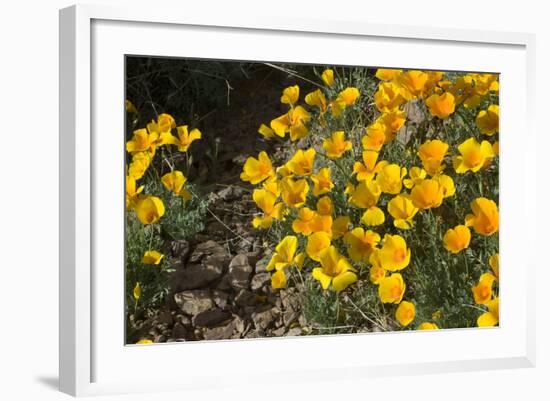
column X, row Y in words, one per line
column 90, row 364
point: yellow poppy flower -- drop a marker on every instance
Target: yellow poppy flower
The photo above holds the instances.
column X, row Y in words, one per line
column 290, row 95
column 376, row 274
column 322, row 183
column 292, row 122
column 278, row 279
column 494, row 262
column 317, row 99
column 390, row 178
column 174, row 182
column 361, row 244
column 394, row 254
column 483, row 291
column 266, row 132
column 317, row 243
column 334, row 269
column 432, row 153
column 324, row 206
column 328, row 77
column 336, row 145
column 427, row 194
column 149, row 209
column 163, row 127
column 137, row 291
column 427, row 326
column 139, row 165
column 132, row 194
column 473, row 156
column 267, row 202
column 405, row 313
column 388, row 97
column 340, row 226
column 284, row 256
column 294, row 192
column 145, row 341
column 142, row 141
column 441, row 106
column 417, row 175
column 375, row 136
column 488, row 120
column 373, row 216
column 302, row 162
column 302, row 224
column 369, row 167
column 272, row 185
column 186, row 138
column 447, row 184
column 346, row 98
column 385, row 74
column 391, row 289
column 402, row 209
column 257, row 170
column 152, row 257
column 457, row 239
column 365, row 195
column 394, row 120
column 491, row 317
column 485, row 216
column 486, row 83
column 413, row 83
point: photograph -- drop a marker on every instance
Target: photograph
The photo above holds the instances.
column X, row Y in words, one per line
column 268, row 199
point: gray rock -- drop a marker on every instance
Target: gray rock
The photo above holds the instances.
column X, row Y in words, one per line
column 179, row 331
column 259, row 280
column 245, row 298
column 194, row 302
column 278, row 332
column 220, row 298
column 289, row 316
column 295, row 331
column 220, row 333
column 211, row 318
column 224, row 284
column 180, row 249
column 264, row 318
column 231, row 193
column 239, row 272
column 206, row 249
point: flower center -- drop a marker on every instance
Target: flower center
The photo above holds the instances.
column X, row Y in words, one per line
column 399, row 255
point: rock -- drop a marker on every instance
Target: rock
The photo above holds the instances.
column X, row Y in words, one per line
column 259, row 280
column 196, row 276
column 264, row 318
column 245, row 298
column 220, row 298
column 220, row 333
column 295, row 331
column 206, row 249
column 194, row 302
column 224, row 284
column 179, row 331
column 278, row 332
column 253, row 257
column 289, row 316
column 239, row 272
column 165, row 318
column 180, row 249
column 231, row 193
column 211, row 318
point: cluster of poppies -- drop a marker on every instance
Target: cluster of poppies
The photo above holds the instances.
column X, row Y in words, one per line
column 142, row 148
column 346, row 208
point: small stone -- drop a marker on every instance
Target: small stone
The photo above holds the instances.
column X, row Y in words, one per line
column 220, row 298
column 165, row 318
column 265, row 318
column 194, row 302
column 211, row 318
column 259, row 280
column 262, row 264
column 295, row 331
column 289, row 316
column 205, row 249
column 239, row 271
column 231, row 193
column 220, row 333
column 245, row 298
column 180, row 249
column 278, row 332
column 179, row 331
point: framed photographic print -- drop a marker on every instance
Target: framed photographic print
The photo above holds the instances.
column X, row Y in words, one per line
column 229, row 192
